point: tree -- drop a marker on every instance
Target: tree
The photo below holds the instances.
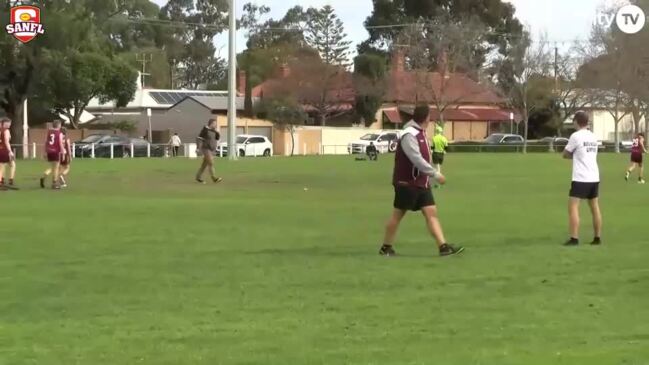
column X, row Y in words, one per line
column 250, row 21
column 70, row 80
column 384, row 24
column 530, row 66
column 189, row 40
column 441, row 54
column 285, row 112
column 369, row 83
column 326, row 34
column 616, row 71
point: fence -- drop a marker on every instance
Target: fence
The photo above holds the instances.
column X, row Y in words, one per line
column 188, row 150
column 114, row 151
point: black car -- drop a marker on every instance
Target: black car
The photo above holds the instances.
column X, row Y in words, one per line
column 121, row 147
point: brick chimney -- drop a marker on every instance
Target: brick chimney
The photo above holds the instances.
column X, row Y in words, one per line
column 241, row 82
column 284, row 71
column 398, row 60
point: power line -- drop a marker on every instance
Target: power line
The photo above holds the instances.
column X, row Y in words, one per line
column 184, row 24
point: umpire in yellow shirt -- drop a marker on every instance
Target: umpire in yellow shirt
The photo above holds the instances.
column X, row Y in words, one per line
column 440, row 144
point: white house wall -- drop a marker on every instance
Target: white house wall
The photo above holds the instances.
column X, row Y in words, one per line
column 604, row 126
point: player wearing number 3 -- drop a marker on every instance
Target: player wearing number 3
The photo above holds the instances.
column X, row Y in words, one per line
column 56, row 151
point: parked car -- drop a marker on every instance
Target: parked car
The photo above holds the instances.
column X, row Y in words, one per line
column 121, row 147
column 555, row 141
column 248, row 145
column 502, row 138
column 384, row 141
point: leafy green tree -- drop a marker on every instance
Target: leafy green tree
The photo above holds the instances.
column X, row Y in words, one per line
column 286, row 112
column 498, row 16
column 250, row 21
column 189, row 39
column 325, row 33
column 369, row 82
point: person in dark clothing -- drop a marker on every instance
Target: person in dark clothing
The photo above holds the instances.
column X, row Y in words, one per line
column 207, row 142
column 411, row 180
column 372, row 152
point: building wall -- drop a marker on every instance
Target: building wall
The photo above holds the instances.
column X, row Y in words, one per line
column 604, row 126
column 335, row 140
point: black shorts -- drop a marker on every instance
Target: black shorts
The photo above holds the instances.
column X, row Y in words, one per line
column 412, row 198
column 438, row 158
column 637, row 158
column 585, row 191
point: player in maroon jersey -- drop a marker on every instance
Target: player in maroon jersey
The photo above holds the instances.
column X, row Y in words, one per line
column 55, row 149
column 637, row 156
column 66, row 158
column 6, row 155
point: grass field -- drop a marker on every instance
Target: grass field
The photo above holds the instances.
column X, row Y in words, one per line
column 135, row 264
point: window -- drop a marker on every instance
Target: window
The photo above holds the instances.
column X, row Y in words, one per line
column 241, row 139
column 257, row 140
column 513, row 139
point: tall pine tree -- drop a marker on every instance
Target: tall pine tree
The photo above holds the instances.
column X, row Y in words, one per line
column 326, row 34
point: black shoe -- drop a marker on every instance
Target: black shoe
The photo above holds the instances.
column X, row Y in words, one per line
column 217, row 180
column 42, row 183
column 572, row 242
column 200, row 181
column 450, row 250
column 387, row 251
column 596, row 242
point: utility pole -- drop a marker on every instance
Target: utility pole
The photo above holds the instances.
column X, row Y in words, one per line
column 232, row 84
column 172, row 66
column 146, row 58
column 556, row 68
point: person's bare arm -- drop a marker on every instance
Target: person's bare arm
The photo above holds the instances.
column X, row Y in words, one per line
column 642, row 143
column 567, row 155
column 6, row 141
column 62, row 145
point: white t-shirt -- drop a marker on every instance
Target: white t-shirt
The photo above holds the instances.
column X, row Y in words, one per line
column 175, row 141
column 583, row 146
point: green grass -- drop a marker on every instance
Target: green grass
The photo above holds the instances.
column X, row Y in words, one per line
column 135, row 264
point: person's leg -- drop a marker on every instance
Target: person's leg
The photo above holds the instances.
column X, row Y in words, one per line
column 12, row 171
column 573, row 213
column 64, row 174
column 55, row 173
column 2, row 173
column 641, row 173
column 201, row 170
column 433, row 224
column 597, row 218
column 392, row 226
column 629, row 171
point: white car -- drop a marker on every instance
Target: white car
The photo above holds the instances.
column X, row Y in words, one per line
column 384, row 141
column 249, row 145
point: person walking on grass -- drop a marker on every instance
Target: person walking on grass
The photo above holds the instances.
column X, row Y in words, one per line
column 55, row 151
column 7, row 157
column 582, row 149
column 175, row 144
column 638, row 150
column 207, row 142
column 411, row 180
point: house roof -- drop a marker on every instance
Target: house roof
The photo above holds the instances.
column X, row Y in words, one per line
column 469, row 114
column 413, row 87
column 155, row 98
column 402, row 87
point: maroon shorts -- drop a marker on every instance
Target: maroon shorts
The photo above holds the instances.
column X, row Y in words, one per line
column 4, row 156
column 53, row 157
column 637, row 157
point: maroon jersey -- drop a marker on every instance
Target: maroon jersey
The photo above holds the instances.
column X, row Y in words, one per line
column 636, row 147
column 53, row 142
column 405, row 173
column 3, row 136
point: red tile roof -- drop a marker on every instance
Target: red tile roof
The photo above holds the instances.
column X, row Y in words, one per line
column 407, row 87
column 413, row 87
